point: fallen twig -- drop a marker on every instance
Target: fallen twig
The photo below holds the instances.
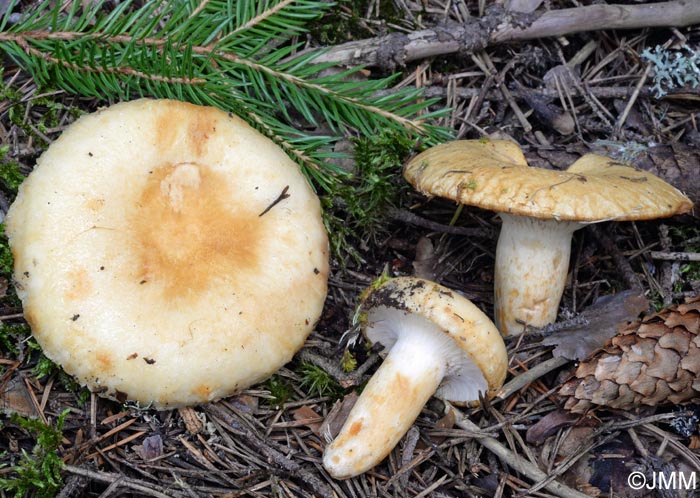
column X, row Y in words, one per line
column 675, row 256
column 400, row 48
column 409, row 217
column 273, row 455
column 623, row 266
column 119, row 481
column 513, row 460
column 525, row 378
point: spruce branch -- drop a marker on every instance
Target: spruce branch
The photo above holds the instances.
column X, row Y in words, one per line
column 236, row 55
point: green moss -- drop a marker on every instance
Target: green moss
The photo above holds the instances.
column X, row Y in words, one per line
column 10, row 175
column 356, row 217
column 45, row 115
column 37, row 473
column 348, row 362
column 318, row 382
column 36, row 116
column 688, row 239
column 6, row 260
column 12, row 335
column 280, row 391
column 346, row 22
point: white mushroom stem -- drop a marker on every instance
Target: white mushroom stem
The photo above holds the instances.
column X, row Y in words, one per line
column 532, row 260
column 389, row 404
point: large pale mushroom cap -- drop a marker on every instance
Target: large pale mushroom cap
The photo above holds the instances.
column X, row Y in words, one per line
column 494, row 175
column 168, row 253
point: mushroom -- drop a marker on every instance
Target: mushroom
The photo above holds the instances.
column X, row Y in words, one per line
column 168, row 253
column 540, row 209
column 436, row 343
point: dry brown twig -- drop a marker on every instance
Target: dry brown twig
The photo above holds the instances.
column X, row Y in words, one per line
column 399, row 48
column 116, row 481
column 273, row 454
column 515, row 461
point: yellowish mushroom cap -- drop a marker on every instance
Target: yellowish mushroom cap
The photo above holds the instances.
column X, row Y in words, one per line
column 475, row 341
column 540, row 209
column 494, row 175
column 168, row 253
column 436, row 342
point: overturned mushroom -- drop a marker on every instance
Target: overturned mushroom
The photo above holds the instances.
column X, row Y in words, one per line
column 540, row 210
column 437, row 343
column 168, row 253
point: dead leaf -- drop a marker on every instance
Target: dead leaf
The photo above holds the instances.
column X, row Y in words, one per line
column 425, row 263
column 572, row 441
column 523, row 6
column 151, row 448
column 15, row 398
column 309, row 417
column 603, row 317
column 694, row 443
column 549, row 425
column 245, row 403
column 336, row 417
column 446, row 422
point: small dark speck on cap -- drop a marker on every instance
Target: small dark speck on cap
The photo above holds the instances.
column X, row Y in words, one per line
column 316, row 271
column 150, row 361
column 75, row 317
column 90, row 154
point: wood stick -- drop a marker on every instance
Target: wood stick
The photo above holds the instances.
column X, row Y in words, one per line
column 675, row 256
column 142, row 487
column 399, row 48
column 272, row 454
column 623, row 265
column 514, row 461
column 601, row 92
column 407, row 216
column 531, row 375
column 564, row 22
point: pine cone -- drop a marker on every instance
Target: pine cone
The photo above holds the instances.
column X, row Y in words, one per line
column 650, row 362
